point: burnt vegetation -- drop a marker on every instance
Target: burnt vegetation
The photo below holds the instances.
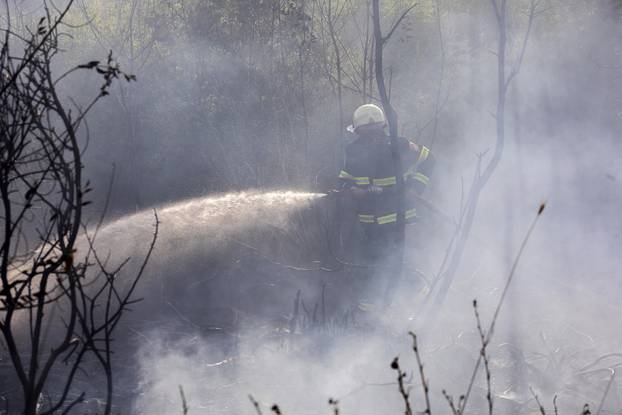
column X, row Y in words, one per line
column 239, row 95
column 69, row 299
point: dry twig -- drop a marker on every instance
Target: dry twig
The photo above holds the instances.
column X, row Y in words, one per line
column 255, row 405
column 184, row 403
column 501, row 301
column 424, row 382
column 395, row 365
column 540, row 407
column 484, row 356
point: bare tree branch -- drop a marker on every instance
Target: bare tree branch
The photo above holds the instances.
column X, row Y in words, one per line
column 42, row 190
column 385, row 39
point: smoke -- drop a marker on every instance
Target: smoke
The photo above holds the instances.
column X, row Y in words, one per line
column 197, row 237
column 300, row 380
column 559, row 318
column 220, row 292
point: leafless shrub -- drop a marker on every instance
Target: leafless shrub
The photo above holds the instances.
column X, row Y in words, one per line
column 57, row 305
column 405, row 393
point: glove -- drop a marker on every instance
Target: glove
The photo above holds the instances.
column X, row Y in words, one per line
column 373, row 189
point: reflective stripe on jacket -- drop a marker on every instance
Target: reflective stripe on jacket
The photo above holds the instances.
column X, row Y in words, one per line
column 370, row 162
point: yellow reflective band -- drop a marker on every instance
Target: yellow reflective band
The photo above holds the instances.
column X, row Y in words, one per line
column 367, row 306
column 358, row 180
column 387, row 181
column 390, row 218
column 412, row 171
column 366, row 219
column 345, row 175
column 423, row 155
column 410, row 213
column 382, row 220
column 422, row 178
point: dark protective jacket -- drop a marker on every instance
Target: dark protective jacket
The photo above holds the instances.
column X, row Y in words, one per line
column 369, row 161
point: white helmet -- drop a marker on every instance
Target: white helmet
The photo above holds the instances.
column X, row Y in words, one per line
column 367, row 114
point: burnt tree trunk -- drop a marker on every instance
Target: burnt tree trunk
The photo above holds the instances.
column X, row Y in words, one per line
column 400, row 234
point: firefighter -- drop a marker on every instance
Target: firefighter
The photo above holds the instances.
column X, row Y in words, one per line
column 368, row 178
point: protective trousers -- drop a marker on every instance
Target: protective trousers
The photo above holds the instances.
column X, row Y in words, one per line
column 382, row 252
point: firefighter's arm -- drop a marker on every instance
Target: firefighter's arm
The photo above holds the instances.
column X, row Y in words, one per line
column 358, row 191
column 356, row 186
column 419, row 173
column 413, row 147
